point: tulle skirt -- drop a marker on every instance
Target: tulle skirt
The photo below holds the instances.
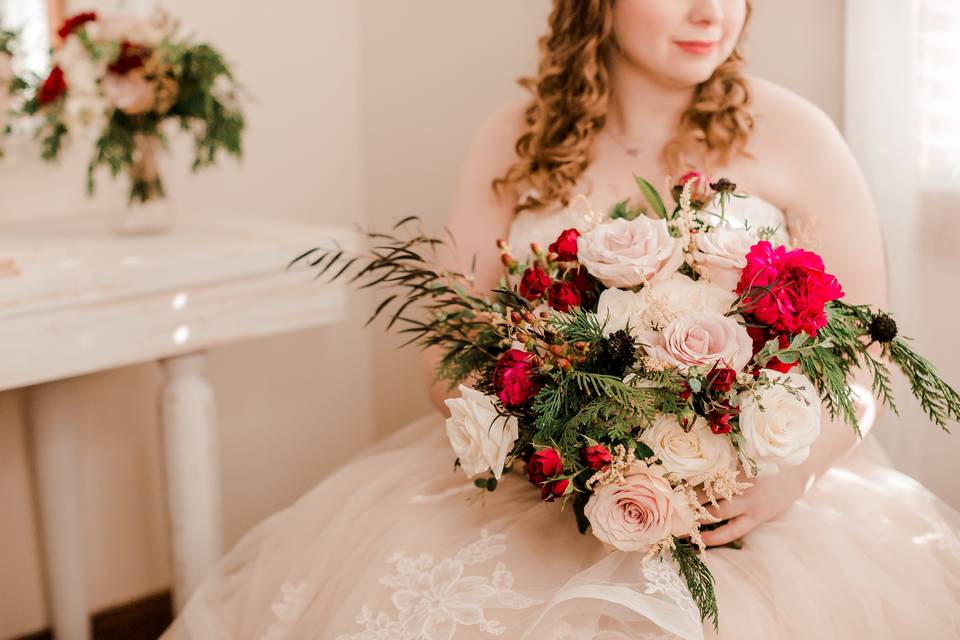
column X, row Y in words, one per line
column 397, row 545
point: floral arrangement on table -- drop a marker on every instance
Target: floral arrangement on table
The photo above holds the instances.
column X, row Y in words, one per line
column 118, row 79
column 646, row 358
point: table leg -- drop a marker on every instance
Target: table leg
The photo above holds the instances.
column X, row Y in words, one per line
column 56, row 462
column 192, row 472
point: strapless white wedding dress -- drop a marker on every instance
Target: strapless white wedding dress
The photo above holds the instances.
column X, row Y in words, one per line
column 394, row 546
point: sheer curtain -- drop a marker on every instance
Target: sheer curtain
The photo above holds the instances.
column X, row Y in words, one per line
column 902, row 92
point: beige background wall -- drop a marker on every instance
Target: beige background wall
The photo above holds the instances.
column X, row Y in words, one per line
column 362, row 111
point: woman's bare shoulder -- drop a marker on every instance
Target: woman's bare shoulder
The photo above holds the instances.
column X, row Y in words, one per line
column 783, row 117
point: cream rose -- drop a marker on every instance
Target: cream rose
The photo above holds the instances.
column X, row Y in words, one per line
column 679, row 294
column 701, row 338
column 130, row 93
column 696, row 455
column 721, row 255
column 640, row 511
column 480, row 437
column 617, row 308
column 778, row 424
column 627, row 253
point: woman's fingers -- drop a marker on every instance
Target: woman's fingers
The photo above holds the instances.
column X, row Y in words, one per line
column 733, row 530
column 727, row 509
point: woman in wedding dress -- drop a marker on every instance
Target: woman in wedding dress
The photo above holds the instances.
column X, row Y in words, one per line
column 395, row 544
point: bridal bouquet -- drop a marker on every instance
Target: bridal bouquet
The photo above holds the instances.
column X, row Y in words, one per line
column 117, row 79
column 642, row 359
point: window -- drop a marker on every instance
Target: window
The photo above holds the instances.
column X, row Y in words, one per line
column 938, row 74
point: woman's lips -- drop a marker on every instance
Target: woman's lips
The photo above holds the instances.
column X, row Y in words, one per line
column 697, row 47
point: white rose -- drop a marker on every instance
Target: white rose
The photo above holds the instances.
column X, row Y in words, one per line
column 701, row 338
column 778, row 425
column 480, row 437
column 627, row 253
column 696, row 455
column 721, row 255
column 680, row 294
column 85, row 113
column 617, row 308
column 118, row 27
column 79, row 69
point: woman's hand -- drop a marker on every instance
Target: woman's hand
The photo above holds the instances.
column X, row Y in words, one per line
column 765, row 500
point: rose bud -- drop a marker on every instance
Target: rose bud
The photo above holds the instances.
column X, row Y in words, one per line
column 685, row 391
column 534, row 282
column 543, row 464
column 700, row 191
column 502, row 244
column 514, row 378
column 562, row 296
column 720, row 423
column 564, row 364
column 566, row 245
column 553, row 490
column 721, row 380
column 515, row 317
column 597, row 457
column 508, row 261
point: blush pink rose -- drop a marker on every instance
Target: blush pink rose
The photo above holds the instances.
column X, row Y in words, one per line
column 129, row 93
column 701, row 338
column 641, row 511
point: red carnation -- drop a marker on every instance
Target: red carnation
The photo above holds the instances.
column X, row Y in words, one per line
column 73, row 23
column 597, row 457
column 513, row 378
column 53, row 87
column 543, row 465
column 566, row 245
column 721, row 380
column 563, row 295
column 534, row 282
column 553, row 490
column 787, row 290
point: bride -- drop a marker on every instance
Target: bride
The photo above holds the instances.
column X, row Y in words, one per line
column 395, row 544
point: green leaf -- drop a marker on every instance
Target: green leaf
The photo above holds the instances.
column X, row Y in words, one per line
column 698, row 578
column 652, row 197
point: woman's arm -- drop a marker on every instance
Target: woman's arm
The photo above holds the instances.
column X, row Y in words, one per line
column 479, row 216
column 830, row 211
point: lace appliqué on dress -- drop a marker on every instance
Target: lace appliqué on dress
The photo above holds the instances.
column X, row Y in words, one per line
column 663, row 578
column 434, row 598
column 287, row 609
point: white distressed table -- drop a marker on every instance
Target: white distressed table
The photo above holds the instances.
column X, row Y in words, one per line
column 87, row 300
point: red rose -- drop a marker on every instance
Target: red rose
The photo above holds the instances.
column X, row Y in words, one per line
column 543, row 465
column 597, row 457
column 73, row 23
column 534, row 282
column 513, row 378
column 721, row 380
column 787, row 290
column 53, row 87
column 720, row 423
column 563, row 295
column 566, row 245
column 131, row 57
column 553, row 490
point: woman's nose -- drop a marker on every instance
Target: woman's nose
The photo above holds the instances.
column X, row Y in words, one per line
column 706, row 12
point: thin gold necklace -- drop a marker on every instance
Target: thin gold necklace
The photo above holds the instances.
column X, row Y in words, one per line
column 630, row 151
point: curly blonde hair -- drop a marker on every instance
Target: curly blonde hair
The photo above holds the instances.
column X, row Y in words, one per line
column 571, row 96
